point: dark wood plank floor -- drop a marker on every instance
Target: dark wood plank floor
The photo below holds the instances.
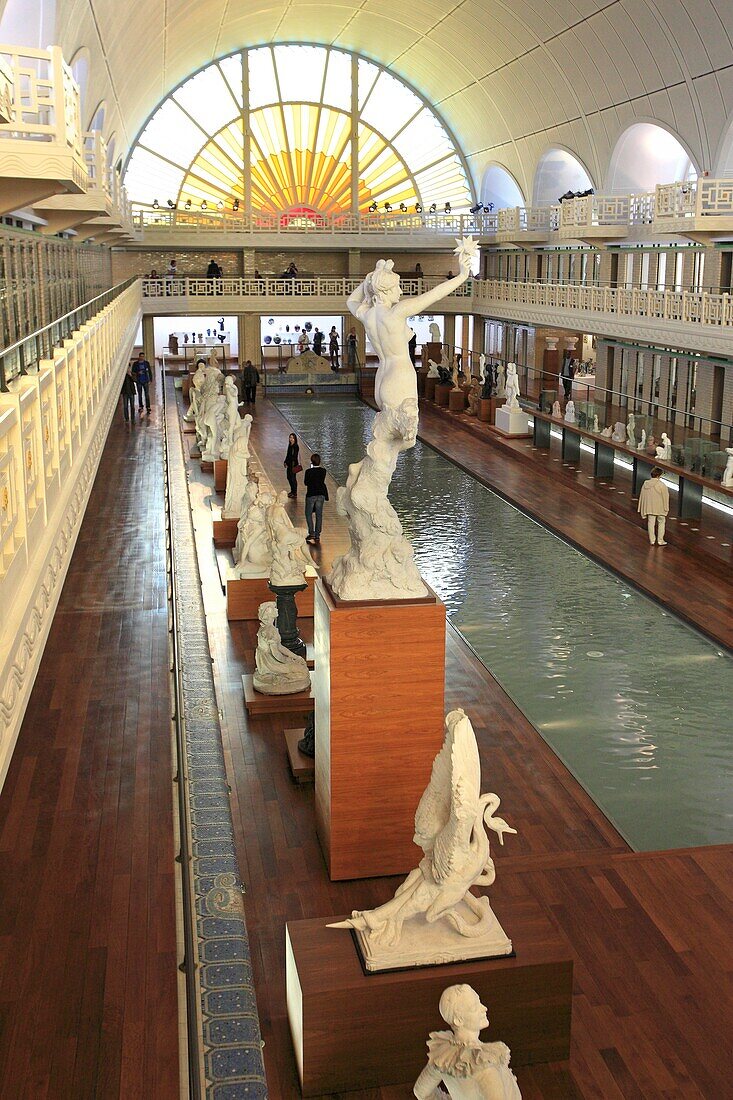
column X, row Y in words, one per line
column 88, row 1001
column 649, row 933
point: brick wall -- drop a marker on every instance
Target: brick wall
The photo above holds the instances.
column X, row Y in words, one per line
column 127, row 262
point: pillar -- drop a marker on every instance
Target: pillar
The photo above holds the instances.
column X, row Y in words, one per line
column 248, row 261
column 449, row 330
column 248, row 330
column 354, row 261
column 149, row 338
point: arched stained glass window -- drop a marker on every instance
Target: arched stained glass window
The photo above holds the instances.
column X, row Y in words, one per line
column 320, row 131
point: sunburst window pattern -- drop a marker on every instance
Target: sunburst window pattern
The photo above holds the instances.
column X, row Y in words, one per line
column 271, row 129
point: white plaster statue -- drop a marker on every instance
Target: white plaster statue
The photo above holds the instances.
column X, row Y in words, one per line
column 194, row 392
column 596, row 425
column 511, row 387
column 213, row 418
column 208, row 391
column 642, row 445
column 482, row 367
column 380, row 561
column 434, row 917
column 277, row 670
column 664, row 451
column 631, row 431
column 433, row 369
column 473, row 396
column 434, row 332
column 232, row 406
column 237, row 469
column 556, row 410
column 500, row 380
column 213, row 361
column 252, row 554
column 455, row 371
column 458, row 1060
column 570, row 412
column 607, row 432
column 288, row 549
column 727, row 481
column 619, row 432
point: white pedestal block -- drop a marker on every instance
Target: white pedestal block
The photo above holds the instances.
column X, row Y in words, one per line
column 511, row 421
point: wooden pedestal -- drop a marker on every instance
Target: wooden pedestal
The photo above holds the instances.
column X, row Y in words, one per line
column 302, row 767
column 186, row 386
column 220, row 475
column 353, row 1031
column 442, row 394
column 456, row 401
column 207, row 467
column 188, row 428
column 487, row 409
column 225, row 532
column 245, row 596
column 430, row 384
column 301, row 702
column 374, row 746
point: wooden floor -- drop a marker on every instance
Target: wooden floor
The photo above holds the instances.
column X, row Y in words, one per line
column 88, row 1004
column 649, row 933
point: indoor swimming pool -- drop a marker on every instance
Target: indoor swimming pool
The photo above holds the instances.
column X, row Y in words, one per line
column 634, row 701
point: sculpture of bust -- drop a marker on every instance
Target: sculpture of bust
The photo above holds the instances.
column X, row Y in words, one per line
column 727, row 479
column 556, row 410
column 664, row 451
column 511, row 387
column 237, row 469
column 290, row 556
column 570, row 412
column 277, row 670
column 459, row 1061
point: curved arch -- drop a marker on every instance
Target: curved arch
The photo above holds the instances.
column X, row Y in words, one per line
column 499, row 188
column 28, row 23
column 724, row 154
column 79, row 66
column 647, row 153
column 96, row 119
column 558, row 170
column 291, row 144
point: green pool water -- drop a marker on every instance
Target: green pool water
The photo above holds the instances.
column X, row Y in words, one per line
column 636, row 703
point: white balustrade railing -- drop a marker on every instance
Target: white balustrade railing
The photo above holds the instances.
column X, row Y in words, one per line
column 53, row 426
column 338, row 287
column 45, row 104
column 595, row 211
column 371, row 225
column 689, row 307
column 95, row 156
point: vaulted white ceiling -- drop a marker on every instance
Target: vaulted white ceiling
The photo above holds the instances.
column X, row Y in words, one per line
column 510, row 77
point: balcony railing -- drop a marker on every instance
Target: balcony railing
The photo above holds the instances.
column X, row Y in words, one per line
column 6, row 91
column 267, row 286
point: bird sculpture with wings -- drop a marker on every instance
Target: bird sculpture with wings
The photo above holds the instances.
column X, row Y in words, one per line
column 450, row 827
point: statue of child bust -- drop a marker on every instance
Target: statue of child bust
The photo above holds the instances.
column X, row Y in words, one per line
column 459, row 1061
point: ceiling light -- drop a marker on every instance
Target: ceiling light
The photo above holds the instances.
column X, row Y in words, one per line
column 204, row 204
column 156, row 204
column 488, row 207
column 432, row 209
column 447, row 208
column 475, row 209
column 171, row 204
column 372, row 208
column 387, row 207
column 418, row 208
column 235, row 205
column 403, row 208
column 188, row 204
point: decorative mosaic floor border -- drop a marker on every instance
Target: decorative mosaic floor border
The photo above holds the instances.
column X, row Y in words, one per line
column 230, row 1032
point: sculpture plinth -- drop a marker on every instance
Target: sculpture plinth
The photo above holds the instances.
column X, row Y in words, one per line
column 511, row 422
column 424, row 944
column 374, row 746
column 353, row 1030
column 220, row 474
column 287, row 616
column 245, row 594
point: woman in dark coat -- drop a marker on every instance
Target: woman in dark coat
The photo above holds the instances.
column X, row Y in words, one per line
column 292, row 464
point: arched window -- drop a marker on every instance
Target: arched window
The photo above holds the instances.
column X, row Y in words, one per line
column 80, row 71
column 499, row 189
column 558, row 172
column 96, row 122
column 645, row 155
column 273, row 128
column 28, row 23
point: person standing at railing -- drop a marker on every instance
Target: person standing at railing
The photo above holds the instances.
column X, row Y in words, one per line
column 317, row 341
column 128, row 395
column 142, row 374
column 333, row 347
column 351, row 349
column 170, row 275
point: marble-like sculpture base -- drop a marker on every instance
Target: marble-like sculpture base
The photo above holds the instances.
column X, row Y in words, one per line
column 423, row 944
column 259, row 702
column 511, row 421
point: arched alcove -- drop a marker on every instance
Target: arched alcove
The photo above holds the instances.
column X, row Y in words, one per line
column 557, row 172
column 80, row 71
column 28, row 23
column 96, row 122
column 724, row 161
column 647, row 154
column 499, row 188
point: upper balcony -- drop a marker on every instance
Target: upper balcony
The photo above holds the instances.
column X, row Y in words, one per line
column 41, row 151
column 62, row 212
column 6, row 92
column 524, row 225
column 701, row 209
column 115, row 223
column 220, row 228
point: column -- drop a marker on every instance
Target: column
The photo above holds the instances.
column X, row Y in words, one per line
column 449, row 330
column 248, row 328
column 149, row 338
column 354, row 261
